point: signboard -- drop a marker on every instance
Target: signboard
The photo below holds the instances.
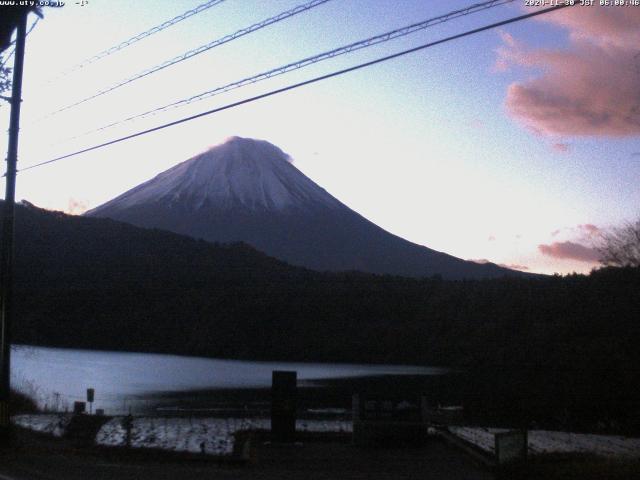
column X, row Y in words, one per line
column 284, row 385
column 387, row 421
column 79, row 407
column 371, row 409
column 90, row 394
column 511, row 446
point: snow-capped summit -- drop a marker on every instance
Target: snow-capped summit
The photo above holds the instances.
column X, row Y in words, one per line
column 248, row 190
column 240, row 172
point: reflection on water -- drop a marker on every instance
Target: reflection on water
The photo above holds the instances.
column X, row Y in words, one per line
column 57, row 377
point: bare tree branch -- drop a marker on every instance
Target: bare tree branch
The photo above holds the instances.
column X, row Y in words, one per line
column 620, row 247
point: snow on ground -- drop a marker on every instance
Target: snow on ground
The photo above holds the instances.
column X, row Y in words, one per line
column 180, row 434
column 543, row 441
column 480, row 437
column 213, row 435
column 54, row 423
column 216, row 435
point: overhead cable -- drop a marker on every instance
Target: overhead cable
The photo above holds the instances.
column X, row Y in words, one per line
column 196, row 51
column 136, row 38
column 301, row 84
column 368, row 42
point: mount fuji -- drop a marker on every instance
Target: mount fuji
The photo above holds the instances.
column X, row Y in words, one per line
column 248, row 190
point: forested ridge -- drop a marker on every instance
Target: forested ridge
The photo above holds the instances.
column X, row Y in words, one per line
column 564, row 349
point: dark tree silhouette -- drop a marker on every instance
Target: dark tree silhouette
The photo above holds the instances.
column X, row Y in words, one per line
column 10, row 15
column 620, row 247
column 9, row 18
column 5, row 83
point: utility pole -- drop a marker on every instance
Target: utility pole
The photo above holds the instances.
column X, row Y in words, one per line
column 6, row 251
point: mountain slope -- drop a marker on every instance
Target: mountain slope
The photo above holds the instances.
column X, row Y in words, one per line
column 247, row 190
column 102, row 284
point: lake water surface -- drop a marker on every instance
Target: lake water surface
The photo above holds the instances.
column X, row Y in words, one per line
column 57, row 377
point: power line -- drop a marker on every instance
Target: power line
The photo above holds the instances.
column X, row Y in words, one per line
column 381, row 38
column 196, row 51
column 138, row 37
column 301, row 84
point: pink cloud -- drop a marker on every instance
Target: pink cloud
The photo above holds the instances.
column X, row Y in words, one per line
column 570, row 250
column 505, row 52
column 514, row 266
column 582, row 231
column 607, row 26
column 561, row 147
column 76, row 207
column 479, row 260
column 511, row 266
column 590, row 89
column 590, row 229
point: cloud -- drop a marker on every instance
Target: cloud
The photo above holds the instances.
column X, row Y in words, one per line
column 570, row 251
column 590, row 230
column 584, row 232
column 590, row 89
column 606, row 26
column 514, row 266
column 635, row 154
column 506, row 52
column 511, row 266
column 561, row 147
column 479, row 260
column 76, row 207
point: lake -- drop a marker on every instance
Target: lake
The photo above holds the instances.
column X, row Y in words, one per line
column 123, row 381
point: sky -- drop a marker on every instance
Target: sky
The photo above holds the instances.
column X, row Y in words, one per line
column 518, row 145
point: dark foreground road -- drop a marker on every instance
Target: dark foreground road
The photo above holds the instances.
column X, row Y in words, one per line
column 38, row 459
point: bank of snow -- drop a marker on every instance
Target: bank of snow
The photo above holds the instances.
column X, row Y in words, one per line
column 53, row 424
column 543, row 441
column 215, row 436
column 212, row 436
